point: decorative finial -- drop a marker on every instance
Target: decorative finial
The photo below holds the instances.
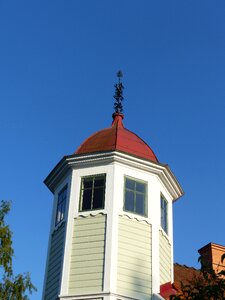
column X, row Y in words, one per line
column 118, row 96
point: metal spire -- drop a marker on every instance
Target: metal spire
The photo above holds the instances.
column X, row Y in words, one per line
column 118, row 96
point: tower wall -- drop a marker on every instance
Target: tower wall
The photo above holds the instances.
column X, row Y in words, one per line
column 87, row 255
column 54, row 269
column 164, row 258
column 134, row 277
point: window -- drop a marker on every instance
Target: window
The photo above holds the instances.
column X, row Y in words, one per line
column 135, row 196
column 61, row 205
column 164, row 214
column 92, row 192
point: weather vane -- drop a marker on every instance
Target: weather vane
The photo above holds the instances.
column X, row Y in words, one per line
column 118, row 96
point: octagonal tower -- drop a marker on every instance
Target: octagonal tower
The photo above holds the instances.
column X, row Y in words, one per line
column 111, row 233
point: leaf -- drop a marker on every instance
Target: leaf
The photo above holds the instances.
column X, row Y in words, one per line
column 11, row 287
column 222, row 257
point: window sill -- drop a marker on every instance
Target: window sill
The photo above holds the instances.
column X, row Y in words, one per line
column 165, row 234
column 134, row 216
column 91, row 212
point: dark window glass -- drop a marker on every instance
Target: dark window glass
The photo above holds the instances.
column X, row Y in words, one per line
column 87, row 183
column 164, row 214
column 129, row 202
column 135, row 197
column 140, row 204
column 130, row 184
column 98, row 198
column 140, row 187
column 92, row 192
column 61, row 206
column 86, row 203
column 99, row 182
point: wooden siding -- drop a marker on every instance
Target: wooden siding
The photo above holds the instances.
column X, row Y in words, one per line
column 88, row 254
column 54, row 268
column 164, row 258
column 134, row 278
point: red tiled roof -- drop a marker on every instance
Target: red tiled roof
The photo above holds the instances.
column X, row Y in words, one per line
column 184, row 274
column 119, row 138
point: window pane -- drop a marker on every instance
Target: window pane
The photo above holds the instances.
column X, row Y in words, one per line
column 64, row 193
column 99, row 182
column 164, row 221
column 130, row 184
column 140, row 187
column 98, row 198
column 61, row 206
column 165, row 224
column 92, row 192
column 165, row 217
column 86, row 199
column 165, row 205
column 87, row 183
column 57, row 217
column 140, row 204
column 135, row 196
column 129, row 201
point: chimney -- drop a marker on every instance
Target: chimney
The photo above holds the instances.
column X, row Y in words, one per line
column 211, row 257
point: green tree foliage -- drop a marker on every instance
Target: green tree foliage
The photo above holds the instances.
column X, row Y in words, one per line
column 11, row 287
column 208, row 285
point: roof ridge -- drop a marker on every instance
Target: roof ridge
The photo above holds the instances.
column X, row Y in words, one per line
column 185, row 266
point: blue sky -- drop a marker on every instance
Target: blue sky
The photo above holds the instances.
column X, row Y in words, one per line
column 58, row 61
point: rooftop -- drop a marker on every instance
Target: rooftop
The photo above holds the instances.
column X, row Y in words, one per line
column 117, row 137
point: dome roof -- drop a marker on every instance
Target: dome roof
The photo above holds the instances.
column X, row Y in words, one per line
column 118, row 138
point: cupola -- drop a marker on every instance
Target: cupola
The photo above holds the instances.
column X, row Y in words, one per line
column 111, row 234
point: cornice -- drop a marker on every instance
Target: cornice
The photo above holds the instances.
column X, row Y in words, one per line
column 163, row 172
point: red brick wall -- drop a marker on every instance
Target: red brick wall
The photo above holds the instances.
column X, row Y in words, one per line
column 211, row 256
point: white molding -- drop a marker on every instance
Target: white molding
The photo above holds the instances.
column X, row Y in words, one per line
column 165, row 235
column 157, row 297
column 133, row 216
column 117, row 199
column 88, row 160
column 171, row 239
column 104, row 295
column 155, row 207
column 110, row 242
column 92, row 213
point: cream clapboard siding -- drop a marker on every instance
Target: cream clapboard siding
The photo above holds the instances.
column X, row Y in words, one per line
column 134, row 277
column 164, row 258
column 88, row 254
column 54, row 268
